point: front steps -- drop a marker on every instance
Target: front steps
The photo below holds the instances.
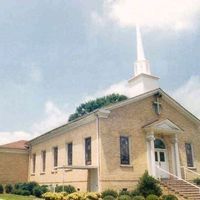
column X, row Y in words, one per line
column 182, row 188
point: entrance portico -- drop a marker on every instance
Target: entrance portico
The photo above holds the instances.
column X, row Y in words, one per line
column 162, row 138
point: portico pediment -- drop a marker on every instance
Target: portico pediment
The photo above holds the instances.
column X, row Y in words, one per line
column 164, row 126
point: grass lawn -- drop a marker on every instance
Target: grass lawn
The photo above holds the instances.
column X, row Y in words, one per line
column 16, row 197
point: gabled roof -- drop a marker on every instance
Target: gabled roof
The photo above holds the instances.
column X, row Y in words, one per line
column 21, row 144
column 105, row 112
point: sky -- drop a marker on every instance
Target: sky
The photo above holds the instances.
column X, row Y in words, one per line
column 55, row 54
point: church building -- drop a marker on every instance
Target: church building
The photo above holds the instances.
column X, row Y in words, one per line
column 113, row 146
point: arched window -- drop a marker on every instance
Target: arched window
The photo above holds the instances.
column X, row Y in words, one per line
column 159, row 144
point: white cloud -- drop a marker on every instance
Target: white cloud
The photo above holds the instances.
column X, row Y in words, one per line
column 7, row 137
column 189, row 94
column 54, row 117
column 164, row 14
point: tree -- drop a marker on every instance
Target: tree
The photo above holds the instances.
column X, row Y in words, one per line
column 92, row 105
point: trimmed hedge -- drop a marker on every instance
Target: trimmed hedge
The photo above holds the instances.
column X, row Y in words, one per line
column 109, row 192
column 169, row 197
column 138, row 198
column 152, row 197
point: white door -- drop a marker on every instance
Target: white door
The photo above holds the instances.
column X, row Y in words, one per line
column 162, row 161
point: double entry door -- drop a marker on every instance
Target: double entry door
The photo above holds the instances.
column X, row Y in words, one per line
column 162, row 161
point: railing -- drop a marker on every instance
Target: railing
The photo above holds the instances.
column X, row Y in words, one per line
column 185, row 170
column 176, row 177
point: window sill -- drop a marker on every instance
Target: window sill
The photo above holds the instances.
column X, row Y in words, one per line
column 192, row 168
column 54, row 171
column 128, row 166
column 33, row 174
column 42, row 173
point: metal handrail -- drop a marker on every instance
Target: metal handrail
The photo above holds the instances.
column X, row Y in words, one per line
column 185, row 168
column 177, row 177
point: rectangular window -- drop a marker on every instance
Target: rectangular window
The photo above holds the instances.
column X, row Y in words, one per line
column 34, row 162
column 55, row 156
column 88, row 150
column 189, row 155
column 124, row 150
column 43, row 161
column 69, row 153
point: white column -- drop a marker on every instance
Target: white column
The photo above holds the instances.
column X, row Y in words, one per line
column 150, row 139
column 177, row 159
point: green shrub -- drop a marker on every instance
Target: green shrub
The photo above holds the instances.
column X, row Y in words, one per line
column 169, row 197
column 152, row 197
column 92, row 195
column 30, row 186
column 124, row 197
column 1, row 189
column 197, row 181
column 59, row 188
column 109, row 197
column 138, row 198
column 8, row 188
column 148, row 185
column 109, row 192
column 69, row 189
column 124, row 192
column 25, row 193
column 26, row 186
column 76, row 196
column 21, row 192
column 37, row 191
column 53, row 196
column 135, row 193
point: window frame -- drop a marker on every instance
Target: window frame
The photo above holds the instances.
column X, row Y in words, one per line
column 192, row 156
column 129, row 150
column 53, row 151
column 88, row 161
column 33, row 163
column 43, row 159
column 67, row 154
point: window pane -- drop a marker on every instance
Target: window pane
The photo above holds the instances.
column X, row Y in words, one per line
column 69, row 153
column 189, row 156
column 43, row 161
column 88, row 148
column 159, row 144
column 124, row 150
column 55, row 151
column 162, row 157
column 156, row 156
column 34, row 162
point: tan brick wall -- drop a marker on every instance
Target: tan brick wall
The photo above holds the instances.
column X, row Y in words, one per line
column 13, row 167
column 78, row 178
column 127, row 120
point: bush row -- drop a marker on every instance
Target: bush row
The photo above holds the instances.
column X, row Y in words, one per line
column 33, row 188
column 98, row 196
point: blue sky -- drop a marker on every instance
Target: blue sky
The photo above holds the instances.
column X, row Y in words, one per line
column 55, row 54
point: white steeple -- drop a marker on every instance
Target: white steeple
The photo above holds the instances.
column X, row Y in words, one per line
column 142, row 64
column 142, row 80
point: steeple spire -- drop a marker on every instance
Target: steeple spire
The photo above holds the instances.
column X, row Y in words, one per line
column 140, row 49
column 142, row 81
column 142, row 64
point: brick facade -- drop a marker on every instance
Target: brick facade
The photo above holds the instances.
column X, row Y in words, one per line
column 125, row 120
